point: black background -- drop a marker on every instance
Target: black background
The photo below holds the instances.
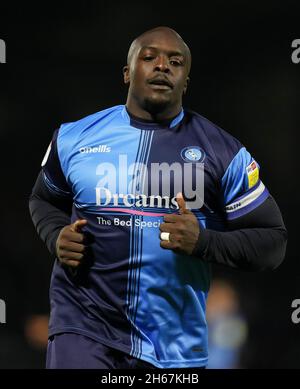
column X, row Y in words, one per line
column 64, row 61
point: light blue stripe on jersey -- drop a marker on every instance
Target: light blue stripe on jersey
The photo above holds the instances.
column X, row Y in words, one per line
column 142, row 157
column 136, row 261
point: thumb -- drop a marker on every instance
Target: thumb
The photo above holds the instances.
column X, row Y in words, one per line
column 181, row 203
column 78, row 225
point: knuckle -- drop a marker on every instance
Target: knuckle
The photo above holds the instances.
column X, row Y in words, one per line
column 181, row 227
column 174, row 237
column 61, row 254
column 79, row 238
column 180, row 236
column 62, row 245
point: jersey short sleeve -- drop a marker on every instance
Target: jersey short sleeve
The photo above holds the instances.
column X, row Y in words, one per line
column 242, row 188
column 52, row 172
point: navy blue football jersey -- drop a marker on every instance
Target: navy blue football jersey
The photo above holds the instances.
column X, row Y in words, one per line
column 123, row 175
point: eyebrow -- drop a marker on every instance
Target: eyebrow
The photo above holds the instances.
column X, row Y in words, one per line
column 171, row 53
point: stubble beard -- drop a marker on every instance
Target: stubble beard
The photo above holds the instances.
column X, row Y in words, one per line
column 156, row 106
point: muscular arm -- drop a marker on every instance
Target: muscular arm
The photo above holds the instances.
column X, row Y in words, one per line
column 49, row 213
column 254, row 242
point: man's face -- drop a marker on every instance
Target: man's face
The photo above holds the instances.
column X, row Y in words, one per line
column 158, row 71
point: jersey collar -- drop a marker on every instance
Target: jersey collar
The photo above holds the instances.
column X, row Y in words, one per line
column 147, row 125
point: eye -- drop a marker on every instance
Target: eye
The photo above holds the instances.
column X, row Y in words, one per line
column 148, row 57
column 175, row 62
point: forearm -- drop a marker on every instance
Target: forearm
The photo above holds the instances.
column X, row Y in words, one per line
column 49, row 214
column 254, row 249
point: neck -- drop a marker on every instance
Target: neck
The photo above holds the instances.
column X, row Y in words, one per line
column 158, row 115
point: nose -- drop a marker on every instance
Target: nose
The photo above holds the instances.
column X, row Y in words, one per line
column 162, row 64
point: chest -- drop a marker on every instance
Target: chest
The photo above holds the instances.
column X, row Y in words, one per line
column 126, row 167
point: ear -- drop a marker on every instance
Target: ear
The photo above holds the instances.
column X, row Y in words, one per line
column 126, row 74
column 187, row 81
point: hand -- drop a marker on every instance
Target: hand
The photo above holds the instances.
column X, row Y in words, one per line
column 69, row 244
column 183, row 228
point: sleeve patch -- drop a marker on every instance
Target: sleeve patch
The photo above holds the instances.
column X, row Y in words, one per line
column 253, row 174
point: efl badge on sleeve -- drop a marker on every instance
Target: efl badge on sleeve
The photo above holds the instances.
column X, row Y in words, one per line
column 252, row 173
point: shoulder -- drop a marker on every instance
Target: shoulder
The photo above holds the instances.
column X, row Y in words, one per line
column 71, row 135
column 216, row 134
column 219, row 143
column 82, row 125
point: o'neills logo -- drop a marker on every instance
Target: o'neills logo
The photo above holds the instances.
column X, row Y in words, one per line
column 97, row 149
column 104, row 197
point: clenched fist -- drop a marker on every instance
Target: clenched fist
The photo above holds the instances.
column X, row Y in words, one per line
column 182, row 230
column 70, row 244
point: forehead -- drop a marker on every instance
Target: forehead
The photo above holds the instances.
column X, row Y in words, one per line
column 162, row 40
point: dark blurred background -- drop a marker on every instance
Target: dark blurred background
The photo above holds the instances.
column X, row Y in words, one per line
column 64, row 61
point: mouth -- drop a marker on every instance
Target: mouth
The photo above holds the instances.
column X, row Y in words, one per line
column 160, row 83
